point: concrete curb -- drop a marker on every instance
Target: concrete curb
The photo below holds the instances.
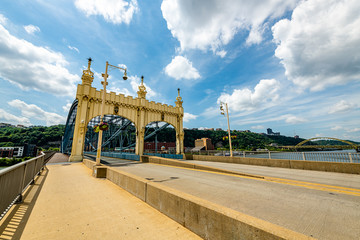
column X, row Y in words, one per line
column 206, row 219
column 352, row 168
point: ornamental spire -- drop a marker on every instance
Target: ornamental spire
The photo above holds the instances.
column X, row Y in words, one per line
column 88, row 76
column 142, row 89
column 178, row 101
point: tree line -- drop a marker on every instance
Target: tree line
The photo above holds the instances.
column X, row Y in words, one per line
column 43, row 137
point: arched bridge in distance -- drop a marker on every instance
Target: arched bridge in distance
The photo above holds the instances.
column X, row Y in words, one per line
column 349, row 145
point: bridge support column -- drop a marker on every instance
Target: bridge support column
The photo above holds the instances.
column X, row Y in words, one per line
column 77, row 150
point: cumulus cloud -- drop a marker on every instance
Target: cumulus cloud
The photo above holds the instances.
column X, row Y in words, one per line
column 320, row 45
column 181, row 68
column 114, row 11
column 266, row 91
column 188, row 117
column 33, row 67
column 35, row 112
column 12, row 119
column 342, row 106
column 31, row 29
column 209, row 24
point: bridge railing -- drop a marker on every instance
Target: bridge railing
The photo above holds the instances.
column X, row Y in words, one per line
column 347, row 157
column 15, row 179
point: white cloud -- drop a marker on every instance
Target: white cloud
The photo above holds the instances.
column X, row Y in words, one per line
column 114, row 11
column 3, row 19
column 31, row 29
column 134, row 82
column 258, row 127
column 74, row 48
column 181, row 68
column 35, row 112
column 209, row 24
column 354, row 130
column 336, row 128
column 320, row 45
column 342, row 106
column 266, row 91
column 33, row 67
column 221, row 53
column 67, row 107
column 12, row 119
column 291, row 119
column 188, row 117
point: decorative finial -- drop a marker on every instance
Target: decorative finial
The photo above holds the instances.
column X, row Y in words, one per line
column 88, row 75
column 89, row 63
column 178, row 101
column 142, row 89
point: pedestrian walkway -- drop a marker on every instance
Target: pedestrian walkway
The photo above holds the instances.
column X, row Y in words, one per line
column 68, row 203
column 59, row 158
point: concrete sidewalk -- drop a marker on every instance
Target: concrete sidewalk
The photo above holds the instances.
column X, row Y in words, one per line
column 74, row 205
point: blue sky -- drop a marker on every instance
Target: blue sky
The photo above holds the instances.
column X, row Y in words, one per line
column 293, row 66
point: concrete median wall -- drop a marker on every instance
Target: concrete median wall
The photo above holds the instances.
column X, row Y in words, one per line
column 353, row 168
column 207, row 219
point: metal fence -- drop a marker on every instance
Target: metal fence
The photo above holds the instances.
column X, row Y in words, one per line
column 15, row 179
column 344, row 156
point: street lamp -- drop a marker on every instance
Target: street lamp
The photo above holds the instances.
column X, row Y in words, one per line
column 222, row 111
column 104, row 83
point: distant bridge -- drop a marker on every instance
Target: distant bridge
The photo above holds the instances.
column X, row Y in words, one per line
column 349, row 145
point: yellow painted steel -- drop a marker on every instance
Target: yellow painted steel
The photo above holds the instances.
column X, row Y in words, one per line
column 138, row 110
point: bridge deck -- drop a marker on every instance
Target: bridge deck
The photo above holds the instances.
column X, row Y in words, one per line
column 74, row 205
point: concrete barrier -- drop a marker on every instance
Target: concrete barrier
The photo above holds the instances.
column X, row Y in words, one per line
column 353, row 168
column 177, row 163
column 131, row 183
column 207, row 219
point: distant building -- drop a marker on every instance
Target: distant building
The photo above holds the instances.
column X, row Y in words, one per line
column 11, row 152
column 270, row 132
column 28, row 150
column 219, row 129
column 161, row 146
column 2, row 125
column 296, row 136
column 203, row 144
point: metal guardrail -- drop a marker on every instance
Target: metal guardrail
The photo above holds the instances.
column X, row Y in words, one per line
column 121, row 155
column 346, row 157
column 166, row 155
column 15, row 179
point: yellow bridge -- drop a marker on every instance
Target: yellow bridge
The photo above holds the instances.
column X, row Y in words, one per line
column 302, row 144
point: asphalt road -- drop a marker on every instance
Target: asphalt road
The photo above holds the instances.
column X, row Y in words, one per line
column 318, row 204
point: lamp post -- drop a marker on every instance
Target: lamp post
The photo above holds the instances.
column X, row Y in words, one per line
column 228, row 122
column 104, row 83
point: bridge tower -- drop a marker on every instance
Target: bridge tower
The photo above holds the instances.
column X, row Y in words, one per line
column 138, row 110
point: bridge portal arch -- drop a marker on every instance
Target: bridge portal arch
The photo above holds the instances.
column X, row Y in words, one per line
column 138, row 110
